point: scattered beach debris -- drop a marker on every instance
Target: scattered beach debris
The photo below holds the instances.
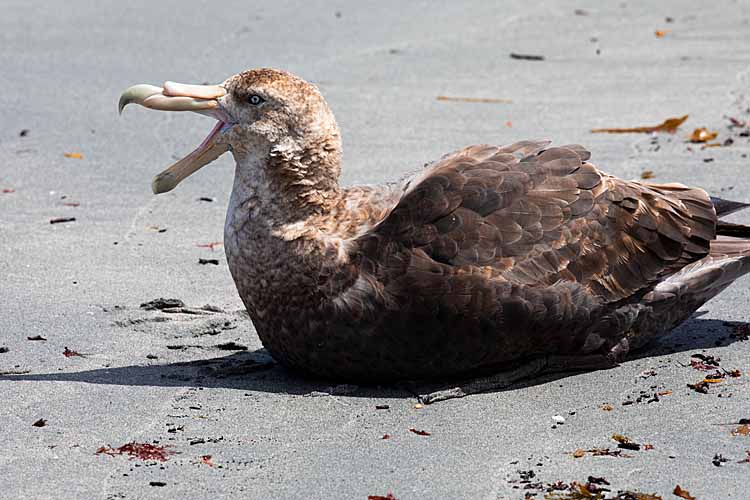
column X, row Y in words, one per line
column 719, row 460
column 704, row 362
column 626, row 443
column 702, row 135
column 14, row 372
column 736, row 122
column 701, row 387
column 419, row 432
column 142, row 451
column 210, row 245
column 477, row 100
column 740, row 331
column 388, row 496
column 678, row 491
column 669, row 125
column 182, row 347
column 40, row 423
column 647, row 397
column 187, row 310
column 212, row 308
column 574, row 491
column 162, row 303
column 635, row 495
column 61, row 220
column 599, row 452
column 317, row 394
column 70, row 354
column 526, row 57
column 231, row 346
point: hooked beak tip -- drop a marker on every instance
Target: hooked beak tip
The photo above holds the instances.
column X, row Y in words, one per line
column 138, row 94
column 121, row 105
column 163, row 183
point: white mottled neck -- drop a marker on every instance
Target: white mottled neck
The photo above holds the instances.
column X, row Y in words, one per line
column 268, row 243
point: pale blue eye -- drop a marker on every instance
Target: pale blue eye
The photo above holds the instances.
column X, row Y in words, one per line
column 255, row 100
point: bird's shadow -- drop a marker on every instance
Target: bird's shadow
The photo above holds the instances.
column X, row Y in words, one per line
column 256, row 370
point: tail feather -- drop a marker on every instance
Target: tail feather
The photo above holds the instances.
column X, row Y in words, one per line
column 726, row 207
column 734, row 230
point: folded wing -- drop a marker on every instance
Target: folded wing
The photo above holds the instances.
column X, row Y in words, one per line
column 534, row 216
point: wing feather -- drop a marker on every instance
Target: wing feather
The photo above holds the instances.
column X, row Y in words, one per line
column 529, row 215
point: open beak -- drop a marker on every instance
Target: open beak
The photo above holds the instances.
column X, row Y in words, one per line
column 203, row 99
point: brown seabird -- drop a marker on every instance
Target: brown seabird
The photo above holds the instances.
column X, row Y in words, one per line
column 492, row 257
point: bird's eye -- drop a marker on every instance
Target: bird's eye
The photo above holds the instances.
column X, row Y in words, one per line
column 255, row 100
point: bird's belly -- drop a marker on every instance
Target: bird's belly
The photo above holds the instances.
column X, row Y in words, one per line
column 393, row 345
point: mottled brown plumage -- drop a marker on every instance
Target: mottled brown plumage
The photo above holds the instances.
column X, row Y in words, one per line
column 483, row 259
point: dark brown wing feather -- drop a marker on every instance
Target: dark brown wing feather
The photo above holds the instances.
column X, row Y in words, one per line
column 535, row 217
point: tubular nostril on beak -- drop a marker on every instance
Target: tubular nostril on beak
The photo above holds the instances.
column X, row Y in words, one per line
column 197, row 91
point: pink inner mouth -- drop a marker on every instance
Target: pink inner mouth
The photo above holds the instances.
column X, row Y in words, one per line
column 214, row 132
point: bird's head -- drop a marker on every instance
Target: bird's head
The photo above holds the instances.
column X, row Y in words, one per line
column 259, row 112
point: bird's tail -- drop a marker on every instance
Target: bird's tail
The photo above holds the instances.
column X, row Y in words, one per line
column 675, row 298
column 730, row 251
column 725, row 207
column 733, row 230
